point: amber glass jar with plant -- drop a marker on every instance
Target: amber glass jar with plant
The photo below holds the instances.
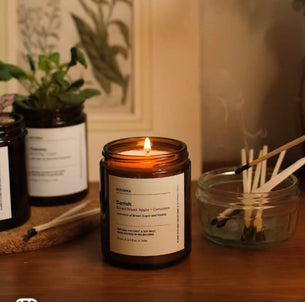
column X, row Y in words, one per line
column 56, row 144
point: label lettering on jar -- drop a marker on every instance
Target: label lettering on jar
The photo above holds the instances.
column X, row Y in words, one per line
column 56, row 160
column 146, row 215
column 5, row 193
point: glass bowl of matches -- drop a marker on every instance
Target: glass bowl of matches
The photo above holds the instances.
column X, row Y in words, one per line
column 236, row 211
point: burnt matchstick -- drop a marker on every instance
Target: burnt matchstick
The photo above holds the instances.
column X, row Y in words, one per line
column 64, row 218
column 248, row 233
column 251, row 234
column 250, row 230
column 253, row 230
column 31, row 233
column 270, row 154
column 258, row 222
column 222, row 218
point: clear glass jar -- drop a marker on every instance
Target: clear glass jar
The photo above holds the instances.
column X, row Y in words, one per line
column 145, row 203
column 56, row 154
column 253, row 220
column 14, row 205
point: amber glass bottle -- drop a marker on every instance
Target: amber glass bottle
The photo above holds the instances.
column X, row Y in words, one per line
column 145, row 203
column 14, row 206
column 56, row 154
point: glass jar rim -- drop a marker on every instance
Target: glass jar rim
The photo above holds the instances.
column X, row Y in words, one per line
column 18, row 122
column 175, row 147
column 230, row 171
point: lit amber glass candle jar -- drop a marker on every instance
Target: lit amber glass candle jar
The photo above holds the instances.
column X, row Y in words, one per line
column 145, row 202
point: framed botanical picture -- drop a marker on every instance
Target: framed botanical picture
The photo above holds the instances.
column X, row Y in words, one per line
column 115, row 37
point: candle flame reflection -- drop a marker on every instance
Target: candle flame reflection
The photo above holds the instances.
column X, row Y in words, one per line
column 147, row 146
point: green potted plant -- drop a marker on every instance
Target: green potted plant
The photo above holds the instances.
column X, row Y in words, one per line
column 56, row 147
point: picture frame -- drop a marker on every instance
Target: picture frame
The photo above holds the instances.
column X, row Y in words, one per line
column 139, row 118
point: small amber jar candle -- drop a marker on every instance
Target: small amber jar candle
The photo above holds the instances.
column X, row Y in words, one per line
column 14, row 205
column 56, row 151
column 145, row 202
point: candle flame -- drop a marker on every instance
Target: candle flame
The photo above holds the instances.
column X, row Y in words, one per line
column 147, row 146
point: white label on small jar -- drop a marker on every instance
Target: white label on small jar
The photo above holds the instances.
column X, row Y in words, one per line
column 146, row 215
column 56, row 160
column 5, row 193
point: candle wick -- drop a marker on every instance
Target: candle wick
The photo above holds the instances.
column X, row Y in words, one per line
column 147, row 151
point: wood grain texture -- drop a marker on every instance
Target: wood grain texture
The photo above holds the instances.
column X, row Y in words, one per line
column 74, row 271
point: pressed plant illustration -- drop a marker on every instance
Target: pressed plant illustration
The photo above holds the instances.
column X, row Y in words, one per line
column 39, row 28
column 94, row 39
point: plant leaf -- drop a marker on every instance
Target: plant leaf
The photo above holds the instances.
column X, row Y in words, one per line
column 16, row 72
column 123, row 29
column 8, row 71
column 31, row 62
column 44, row 63
column 69, row 98
column 89, row 93
column 77, row 56
column 58, row 77
column 4, row 73
column 75, row 85
column 54, row 57
column 63, row 66
column 39, row 94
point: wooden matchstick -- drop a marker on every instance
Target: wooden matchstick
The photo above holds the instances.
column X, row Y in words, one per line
column 278, row 163
column 247, row 188
column 250, row 231
column 270, row 154
column 257, row 173
column 258, row 221
column 227, row 214
column 250, row 171
column 63, row 219
column 72, row 210
column 273, row 182
column 244, row 173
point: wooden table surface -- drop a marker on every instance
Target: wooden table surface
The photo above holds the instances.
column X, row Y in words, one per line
column 75, row 271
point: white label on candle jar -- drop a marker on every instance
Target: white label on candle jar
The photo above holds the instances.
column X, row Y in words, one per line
column 5, row 193
column 146, row 215
column 56, row 160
